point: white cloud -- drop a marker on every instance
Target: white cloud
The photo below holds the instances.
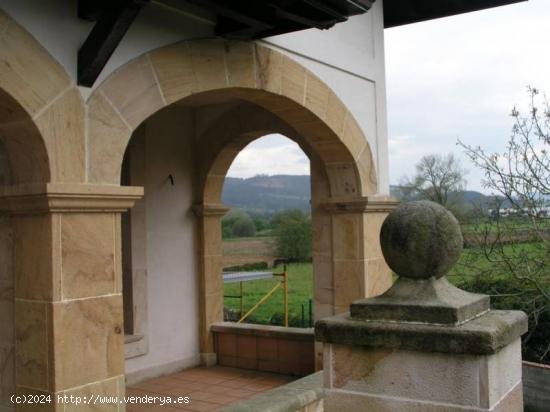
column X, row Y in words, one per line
column 272, row 155
column 459, row 77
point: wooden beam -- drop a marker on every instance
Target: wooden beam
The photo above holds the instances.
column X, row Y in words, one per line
column 113, row 23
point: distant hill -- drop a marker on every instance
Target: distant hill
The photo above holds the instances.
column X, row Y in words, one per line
column 469, row 197
column 267, row 195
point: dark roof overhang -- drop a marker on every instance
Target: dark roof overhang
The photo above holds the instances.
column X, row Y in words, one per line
column 400, row 12
column 249, row 19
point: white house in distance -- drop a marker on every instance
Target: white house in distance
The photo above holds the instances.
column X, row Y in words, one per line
column 102, row 100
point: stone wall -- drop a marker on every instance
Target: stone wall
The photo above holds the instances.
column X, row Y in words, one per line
column 7, row 375
column 265, row 348
column 536, row 384
column 7, row 349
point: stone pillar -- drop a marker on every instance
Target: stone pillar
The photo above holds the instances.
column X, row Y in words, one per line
column 68, row 290
column 210, row 272
column 424, row 345
column 356, row 266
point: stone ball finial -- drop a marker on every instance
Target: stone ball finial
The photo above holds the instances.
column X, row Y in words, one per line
column 421, row 240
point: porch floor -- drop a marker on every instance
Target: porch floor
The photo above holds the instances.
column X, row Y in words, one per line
column 209, row 389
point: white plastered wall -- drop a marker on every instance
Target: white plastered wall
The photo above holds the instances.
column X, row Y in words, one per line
column 349, row 57
column 171, row 247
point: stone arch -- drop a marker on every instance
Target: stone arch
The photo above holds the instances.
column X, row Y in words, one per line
column 41, row 110
column 231, row 133
column 215, row 74
column 246, row 71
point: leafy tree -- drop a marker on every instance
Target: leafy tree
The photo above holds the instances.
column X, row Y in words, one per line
column 292, row 229
column 261, row 224
column 244, row 227
column 521, row 176
column 237, row 223
column 439, row 179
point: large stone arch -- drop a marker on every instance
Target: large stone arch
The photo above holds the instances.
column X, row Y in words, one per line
column 41, row 110
column 214, row 73
column 247, row 71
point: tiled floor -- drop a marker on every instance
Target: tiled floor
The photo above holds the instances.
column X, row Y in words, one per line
column 209, row 389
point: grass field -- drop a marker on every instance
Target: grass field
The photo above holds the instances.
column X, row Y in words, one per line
column 471, row 263
column 300, row 285
column 510, row 224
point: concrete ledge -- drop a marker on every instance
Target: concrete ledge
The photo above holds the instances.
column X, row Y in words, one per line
column 288, row 398
column 263, row 330
column 482, row 336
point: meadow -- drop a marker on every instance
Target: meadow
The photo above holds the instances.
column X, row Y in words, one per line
column 300, row 291
column 472, row 264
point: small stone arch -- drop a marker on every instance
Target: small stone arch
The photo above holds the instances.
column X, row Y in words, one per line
column 42, row 141
column 231, row 133
column 41, row 110
column 246, row 71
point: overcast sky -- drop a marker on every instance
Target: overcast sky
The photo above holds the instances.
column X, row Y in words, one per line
column 447, row 79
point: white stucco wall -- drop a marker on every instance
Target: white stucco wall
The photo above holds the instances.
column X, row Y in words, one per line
column 349, row 57
column 172, row 288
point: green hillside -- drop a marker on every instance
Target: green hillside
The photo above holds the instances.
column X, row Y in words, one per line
column 267, row 195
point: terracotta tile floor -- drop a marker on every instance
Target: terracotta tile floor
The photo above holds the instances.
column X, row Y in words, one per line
column 209, row 389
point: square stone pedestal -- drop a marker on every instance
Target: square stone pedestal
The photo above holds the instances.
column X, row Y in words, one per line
column 359, row 379
column 380, row 367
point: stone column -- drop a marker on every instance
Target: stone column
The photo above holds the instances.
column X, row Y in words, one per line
column 424, row 345
column 353, row 266
column 210, row 272
column 358, row 266
column 68, row 290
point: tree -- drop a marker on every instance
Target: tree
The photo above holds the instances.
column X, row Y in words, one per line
column 237, row 223
column 244, row 227
column 519, row 266
column 292, row 230
column 439, row 179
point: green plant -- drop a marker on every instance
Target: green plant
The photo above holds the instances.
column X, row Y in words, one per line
column 237, row 223
column 292, row 230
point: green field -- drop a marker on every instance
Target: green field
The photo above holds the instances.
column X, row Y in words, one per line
column 505, row 225
column 300, row 291
column 472, row 263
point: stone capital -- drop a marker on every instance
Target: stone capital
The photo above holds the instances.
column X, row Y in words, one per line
column 211, row 209
column 371, row 204
column 67, row 198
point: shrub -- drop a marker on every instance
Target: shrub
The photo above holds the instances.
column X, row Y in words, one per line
column 237, row 224
column 247, row 267
column 244, row 227
column 292, row 231
column 510, row 294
